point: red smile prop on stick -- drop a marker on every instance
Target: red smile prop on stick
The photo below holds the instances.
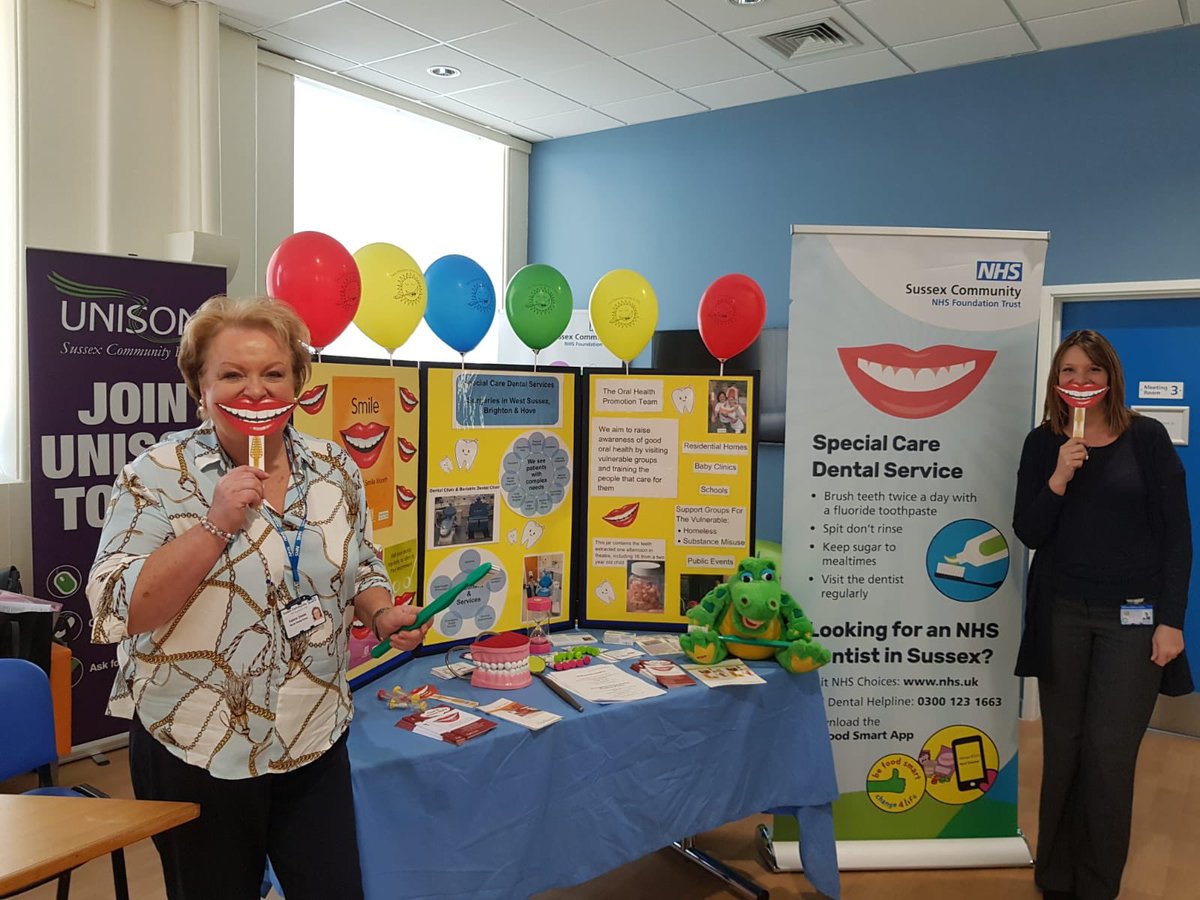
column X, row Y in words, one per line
column 1080, row 397
column 256, row 419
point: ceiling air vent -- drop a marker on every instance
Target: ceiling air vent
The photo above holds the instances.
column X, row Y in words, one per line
column 817, row 37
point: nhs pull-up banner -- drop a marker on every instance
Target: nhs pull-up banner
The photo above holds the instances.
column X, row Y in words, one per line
column 911, row 366
column 103, row 386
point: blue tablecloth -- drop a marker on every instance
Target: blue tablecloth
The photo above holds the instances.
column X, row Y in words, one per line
column 514, row 812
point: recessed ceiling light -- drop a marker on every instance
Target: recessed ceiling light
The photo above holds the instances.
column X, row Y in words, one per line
column 744, row 2
column 444, row 71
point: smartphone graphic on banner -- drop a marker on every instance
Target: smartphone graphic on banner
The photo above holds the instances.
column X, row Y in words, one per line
column 969, row 767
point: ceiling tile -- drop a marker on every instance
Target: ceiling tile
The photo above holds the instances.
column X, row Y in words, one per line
column 604, row 81
column 447, row 20
column 749, row 38
column 526, row 134
column 1194, row 12
column 703, row 61
column 388, row 83
column 547, row 8
column 909, row 21
column 626, row 26
column 413, row 67
column 834, row 73
column 302, row 52
column 448, row 104
column 352, row 32
column 648, row 109
column 579, row 121
column 515, row 100
column 1105, row 23
column 529, row 47
column 237, row 24
column 962, row 49
column 738, row 91
column 721, row 15
column 269, row 12
column 1040, row 9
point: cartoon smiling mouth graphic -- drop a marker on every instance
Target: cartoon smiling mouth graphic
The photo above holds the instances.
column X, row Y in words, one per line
column 408, row 400
column 405, row 448
column 1081, row 396
column 915, row 384
column 257, row 417
column 313, row 400
column 404, row 497
column 364, row 442
column 622, row 516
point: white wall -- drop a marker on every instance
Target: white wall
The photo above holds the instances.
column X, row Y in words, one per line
column 112, row 149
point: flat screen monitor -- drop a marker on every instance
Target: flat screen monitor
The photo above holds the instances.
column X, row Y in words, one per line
column 684, row 351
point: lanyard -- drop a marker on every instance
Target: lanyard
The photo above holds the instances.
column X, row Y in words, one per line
column 293, row 550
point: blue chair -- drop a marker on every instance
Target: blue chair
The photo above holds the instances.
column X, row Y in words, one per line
column 27, row 723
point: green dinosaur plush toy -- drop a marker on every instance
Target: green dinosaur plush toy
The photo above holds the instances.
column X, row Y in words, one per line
column 752, row 606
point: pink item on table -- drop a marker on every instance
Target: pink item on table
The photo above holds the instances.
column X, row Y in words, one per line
column 501, row 661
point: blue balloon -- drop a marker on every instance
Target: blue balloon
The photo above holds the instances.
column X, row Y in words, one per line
column 461, row 301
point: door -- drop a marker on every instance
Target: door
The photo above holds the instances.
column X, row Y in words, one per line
column 1159, row 341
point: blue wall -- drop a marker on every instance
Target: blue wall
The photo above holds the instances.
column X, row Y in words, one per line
column 1099, row 145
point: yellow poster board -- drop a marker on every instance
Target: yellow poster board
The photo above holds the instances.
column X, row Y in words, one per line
column 373, row 413
column 670, row 491
column 499, row 458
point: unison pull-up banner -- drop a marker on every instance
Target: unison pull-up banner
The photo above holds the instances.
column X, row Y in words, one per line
column 911, row 367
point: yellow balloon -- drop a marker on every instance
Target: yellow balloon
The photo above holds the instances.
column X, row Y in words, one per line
column 624, row 312
column 393, row 295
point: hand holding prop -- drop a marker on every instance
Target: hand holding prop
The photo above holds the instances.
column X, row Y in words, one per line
column 431, row 609
column 1080, row 397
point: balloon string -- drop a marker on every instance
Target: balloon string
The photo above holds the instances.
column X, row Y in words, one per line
column 722, row 372
column 535, row 353
column 626, row 368
column 463, row 357
column 391, row 358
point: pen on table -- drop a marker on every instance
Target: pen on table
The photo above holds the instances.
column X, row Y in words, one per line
column 537, row 667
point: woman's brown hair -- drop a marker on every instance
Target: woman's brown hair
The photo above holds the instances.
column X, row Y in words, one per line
column 1101, row 352
column 261, row 313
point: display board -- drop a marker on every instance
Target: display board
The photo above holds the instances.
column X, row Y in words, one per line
column 910, row 382
column 498, row 486
column 669, row 481
column 103, row 387
column 373, row 411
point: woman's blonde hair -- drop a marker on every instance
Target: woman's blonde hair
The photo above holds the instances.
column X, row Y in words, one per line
column 1102, row 353
column 261, row 313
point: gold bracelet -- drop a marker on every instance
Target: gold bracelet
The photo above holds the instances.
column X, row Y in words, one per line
column 375, row 621
column 212, row 529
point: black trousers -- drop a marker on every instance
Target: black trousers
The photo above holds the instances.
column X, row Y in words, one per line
column 1094, row 713
column 303, row 820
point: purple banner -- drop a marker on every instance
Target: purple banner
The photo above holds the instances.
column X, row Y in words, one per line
column 103, row 386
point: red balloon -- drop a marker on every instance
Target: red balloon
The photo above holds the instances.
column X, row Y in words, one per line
column 318, row 278
column 732, row 313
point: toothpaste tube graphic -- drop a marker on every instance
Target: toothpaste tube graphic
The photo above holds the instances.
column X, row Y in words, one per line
column 622, row 516
column 915, row 384
column 256, row 418
column 312, row 401
column 364, row 442
column 404, row 497
column 405, row 448
column 408, row 400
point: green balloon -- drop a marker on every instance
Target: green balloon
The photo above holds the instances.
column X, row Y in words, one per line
column 538, row 305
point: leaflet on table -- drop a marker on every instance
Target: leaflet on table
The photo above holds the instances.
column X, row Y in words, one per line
column 444, row 723
column 372, row 411
column 724, row 674
column 670, row 491
column 520, row 714
column 499, row 466
column 605, row 684
column 660, row 644
column 663, row 672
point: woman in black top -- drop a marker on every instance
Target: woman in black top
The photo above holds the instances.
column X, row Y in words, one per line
column 1107, row 514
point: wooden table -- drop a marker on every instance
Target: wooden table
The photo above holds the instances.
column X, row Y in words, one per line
column 44, row 836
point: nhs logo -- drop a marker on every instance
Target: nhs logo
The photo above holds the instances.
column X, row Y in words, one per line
column 995, row 270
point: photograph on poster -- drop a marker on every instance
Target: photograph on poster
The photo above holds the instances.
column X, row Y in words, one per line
column 644, row 586
column 692, row 588
column 543, row 578
column 463, row 518
column 726, row 407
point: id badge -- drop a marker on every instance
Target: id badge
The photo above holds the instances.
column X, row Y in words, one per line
column 1137, row 612
column 302, row 614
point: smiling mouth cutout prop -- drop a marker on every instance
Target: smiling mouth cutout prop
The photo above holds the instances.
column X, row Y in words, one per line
column 1080, row 397
column 256, row 419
